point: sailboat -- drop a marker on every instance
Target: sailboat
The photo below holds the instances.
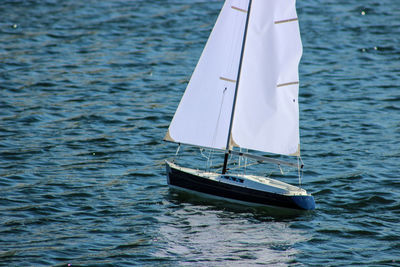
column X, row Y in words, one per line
column 243, row 96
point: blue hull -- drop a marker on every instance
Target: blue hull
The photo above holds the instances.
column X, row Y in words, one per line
column 179, row 178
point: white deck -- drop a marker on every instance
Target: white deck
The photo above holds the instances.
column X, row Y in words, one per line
column 247, row 181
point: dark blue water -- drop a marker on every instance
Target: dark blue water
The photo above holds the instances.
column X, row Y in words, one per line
column 87, row 90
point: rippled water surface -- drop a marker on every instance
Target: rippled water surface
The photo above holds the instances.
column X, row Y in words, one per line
column 87, row 90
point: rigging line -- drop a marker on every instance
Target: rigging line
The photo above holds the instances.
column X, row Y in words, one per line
column 245, row 162
column 262, row 158
column 228, row 142
column 243, row 159
column 177, row 150
column 210, row 155
column 240, row 158
column 201, row 152
column 250, row 164
column 205, row 156
column 219, row 116
column 300, row 169
column 280, row 168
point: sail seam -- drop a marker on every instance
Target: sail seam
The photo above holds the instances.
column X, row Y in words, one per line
column 286, row 84
column 228, row 80
column 239, row 9
column 286, row 20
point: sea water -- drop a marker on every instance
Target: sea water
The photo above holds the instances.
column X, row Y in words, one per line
column 87, row 90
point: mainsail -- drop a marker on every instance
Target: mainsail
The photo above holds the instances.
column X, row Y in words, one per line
column 266, row 116
column 266, row 112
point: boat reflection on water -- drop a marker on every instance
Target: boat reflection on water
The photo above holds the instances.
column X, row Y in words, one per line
column 202, row 230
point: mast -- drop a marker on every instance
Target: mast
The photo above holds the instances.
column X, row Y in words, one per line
column 227, row 150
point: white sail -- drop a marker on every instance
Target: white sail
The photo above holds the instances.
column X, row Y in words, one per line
column 204, row 113
column 266, row 115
